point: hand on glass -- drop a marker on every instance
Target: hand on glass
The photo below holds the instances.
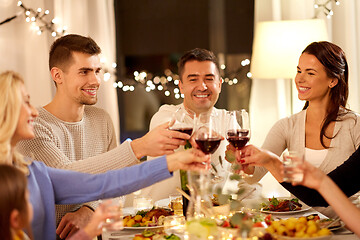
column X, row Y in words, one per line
column 313, row 177
column 159, row 141
column 94, row 227
column 254, row 156
column 191, row 159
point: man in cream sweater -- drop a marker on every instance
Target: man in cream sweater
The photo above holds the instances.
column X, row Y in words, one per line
column 72, row 134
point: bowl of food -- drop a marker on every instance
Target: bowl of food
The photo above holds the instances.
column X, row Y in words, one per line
column 298, row 228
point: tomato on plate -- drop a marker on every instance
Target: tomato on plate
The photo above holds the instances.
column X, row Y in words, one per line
column 268, row 219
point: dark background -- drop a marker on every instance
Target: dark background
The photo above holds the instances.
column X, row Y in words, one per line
column 152, row 35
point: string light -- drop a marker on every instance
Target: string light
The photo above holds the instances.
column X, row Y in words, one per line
column 38, row 17
column 323, row 6
column 39, row 24
column 169, row 82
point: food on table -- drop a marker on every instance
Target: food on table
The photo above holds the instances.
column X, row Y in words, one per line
column 152, row 218
column 202, row 228
column 155, row 235
column 281, row 205
column 215, row 200
column 297, row 227
column 238, row 219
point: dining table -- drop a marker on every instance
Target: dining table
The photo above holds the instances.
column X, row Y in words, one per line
column 129, row 233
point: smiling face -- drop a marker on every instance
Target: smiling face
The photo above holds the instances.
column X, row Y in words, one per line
column 24, row 129
column 80, row 82
column 311, row 80
column 201, row 85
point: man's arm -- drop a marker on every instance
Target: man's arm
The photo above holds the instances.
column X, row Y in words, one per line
column 43, row 148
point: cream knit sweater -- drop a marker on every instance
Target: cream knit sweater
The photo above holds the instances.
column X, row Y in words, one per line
column 86, row 146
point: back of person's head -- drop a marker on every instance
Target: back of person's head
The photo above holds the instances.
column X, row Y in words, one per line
column 333, row 58
column 13, row 185
column 61, row 50
column 10, row 104
column 197, row 54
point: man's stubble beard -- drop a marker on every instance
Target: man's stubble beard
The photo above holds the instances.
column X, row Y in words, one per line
column 88, row 102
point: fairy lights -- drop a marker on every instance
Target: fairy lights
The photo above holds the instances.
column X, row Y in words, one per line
column 168, row 83
column 38, row 21
column 324, row 6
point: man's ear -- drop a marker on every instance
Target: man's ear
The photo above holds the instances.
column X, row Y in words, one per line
column 15, row 220
column 57, row 75
column 220, row 83
column 180, row 86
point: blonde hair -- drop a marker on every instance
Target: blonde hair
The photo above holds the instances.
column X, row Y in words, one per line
column 10, row 104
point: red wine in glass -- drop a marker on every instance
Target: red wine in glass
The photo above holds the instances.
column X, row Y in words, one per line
column 187, row 130
column 238, row 138
column 209, row 145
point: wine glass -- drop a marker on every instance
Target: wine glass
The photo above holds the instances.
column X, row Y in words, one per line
column 183, row 120
column 207, row 136
column 238, row 135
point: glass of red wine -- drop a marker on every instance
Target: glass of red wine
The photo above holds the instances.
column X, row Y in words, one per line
column 238, row 135
column 183, row 120
column 208, row 137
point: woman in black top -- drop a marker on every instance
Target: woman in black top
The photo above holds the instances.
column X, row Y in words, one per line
column 318, row 188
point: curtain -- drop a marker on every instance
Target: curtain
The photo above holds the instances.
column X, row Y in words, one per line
column 24, row 51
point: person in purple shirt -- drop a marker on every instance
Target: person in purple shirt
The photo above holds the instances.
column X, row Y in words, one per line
column 49, row 186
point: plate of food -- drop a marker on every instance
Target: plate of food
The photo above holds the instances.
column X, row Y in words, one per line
column 146, row 219
column 283, row 206
column 298, row 228
column 155, row 234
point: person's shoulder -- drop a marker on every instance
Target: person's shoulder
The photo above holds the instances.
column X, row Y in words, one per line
column 36, row 165
column 168, row 108
column 348, row 117
column 163, row 115
column 45, row 120
column 292, row 120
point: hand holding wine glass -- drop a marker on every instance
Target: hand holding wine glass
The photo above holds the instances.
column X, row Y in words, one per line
column 207, row 136
column 238, row 135
column 183, row 121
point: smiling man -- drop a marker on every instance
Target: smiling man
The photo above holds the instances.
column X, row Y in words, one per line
column 200, row 82
column 72, row 134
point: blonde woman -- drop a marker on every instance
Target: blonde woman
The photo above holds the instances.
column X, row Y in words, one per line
column 48, row 186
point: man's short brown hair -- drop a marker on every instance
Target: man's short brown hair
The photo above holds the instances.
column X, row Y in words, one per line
column 61, row 50
column 197, row 54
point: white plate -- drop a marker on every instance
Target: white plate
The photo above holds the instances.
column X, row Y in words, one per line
column 337, row 227
column 304, row 208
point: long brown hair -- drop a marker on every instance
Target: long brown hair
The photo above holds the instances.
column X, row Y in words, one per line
column 333, row 58
column 13, row 185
